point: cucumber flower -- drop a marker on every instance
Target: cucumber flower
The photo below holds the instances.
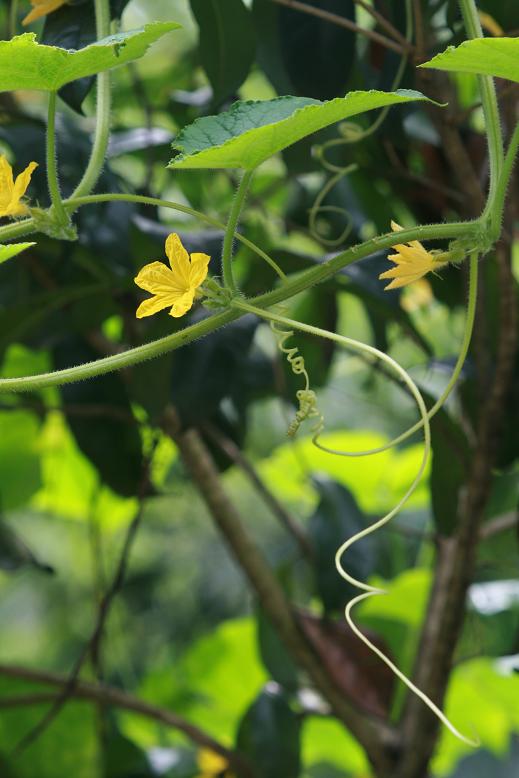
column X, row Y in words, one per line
column 42, row 8
column 11, row 192
column 211, row 764
column 412, row 261
column 175, row 287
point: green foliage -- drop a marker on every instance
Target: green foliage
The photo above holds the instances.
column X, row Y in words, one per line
column 27, row 64
column 185, row 632
column 269, row 734
column 488, row 56
column 227, row 44
column 336, row 518
column 251, row 132
column 8, row 252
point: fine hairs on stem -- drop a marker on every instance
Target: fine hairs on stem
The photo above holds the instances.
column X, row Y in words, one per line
column 366, row 589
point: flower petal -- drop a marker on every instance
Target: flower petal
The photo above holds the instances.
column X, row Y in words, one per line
column 183, row 304
column 178, row 258
column 6, row 182
column 22, row 182
column 42, row 8
column 154, row 305
column 414, row 243
column 157, row 278
column 398, row 282
column 198, row 270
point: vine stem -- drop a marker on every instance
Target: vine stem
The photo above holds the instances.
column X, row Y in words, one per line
column 232, row 224
column 52, row 167
column 465, row 344
column 472, row 24
column 504, row 178
column 291, row 287
column 103, row 105
column 367, row 590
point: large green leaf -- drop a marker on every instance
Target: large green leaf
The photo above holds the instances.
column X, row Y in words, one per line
column 270, row 735
column 337, row 518
column 486, row 56
column 227, row 44
column 12, row 250
column 27, row 64
column 253, row 131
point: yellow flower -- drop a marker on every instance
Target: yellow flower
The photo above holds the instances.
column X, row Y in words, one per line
column 490, row 25
column 176, row 287
column 11, row 192
column 412, row 262
column 211, row 764
column 42, row 8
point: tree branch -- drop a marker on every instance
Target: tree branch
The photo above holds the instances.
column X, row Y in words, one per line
column 228, row 447
column 109, row 695
column 373, row 735
column 457, row 554
column 92, row 647
column 341, row 21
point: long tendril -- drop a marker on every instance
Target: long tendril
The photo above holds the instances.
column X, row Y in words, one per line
column 350, row 133
column 367, row 590
column 440, row 402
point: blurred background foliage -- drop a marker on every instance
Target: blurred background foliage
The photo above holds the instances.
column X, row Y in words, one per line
column 184, row 633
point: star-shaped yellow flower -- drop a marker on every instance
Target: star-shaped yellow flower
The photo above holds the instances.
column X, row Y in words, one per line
column 211, row 764
column 42, row 8
column 11, row 192
column 176, row 287
column 412, row 262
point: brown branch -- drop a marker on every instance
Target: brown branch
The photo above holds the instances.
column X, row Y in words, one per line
column 341, row 21
column 500, row 524
column 457, row 553
column 228, row 447
column 109, row 695
column 384, row 23
column 372, row 734
column 92, row 647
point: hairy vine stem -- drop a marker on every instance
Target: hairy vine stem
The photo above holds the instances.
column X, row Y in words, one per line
column 102, row 130
column 52, row 168
column 286, row 290
column 230, row 231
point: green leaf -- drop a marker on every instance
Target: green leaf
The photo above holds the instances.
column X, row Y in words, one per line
column 111, row 441
column 485, row 56
column 27, row 64
column 450, row 458
column 253, row 131
column 19, row 458
column 336, row 518
column 227, row 44
column 270, row 735
column 274, row 654
column 12, row 250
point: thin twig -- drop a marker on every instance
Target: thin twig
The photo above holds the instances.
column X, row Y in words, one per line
column 341, row 21
column 500, row 524
column 109, row 695
column 228, row 447
column 383, row 22
column 92, row 647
